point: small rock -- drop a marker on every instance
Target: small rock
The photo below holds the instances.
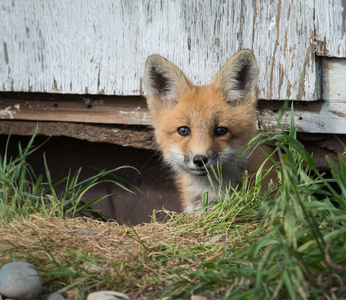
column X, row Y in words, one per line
column 216, row 238
column 20, row 280
column 107, row 295
column 92, row 268
column 198, row 298
column 56, row 297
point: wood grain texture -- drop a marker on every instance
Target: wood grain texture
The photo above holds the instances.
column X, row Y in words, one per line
column 311, row 117
column 334, row 80
column 284, row 44
column 75, row 108
column 127, row 136
column 330, row 27
column 100, row 47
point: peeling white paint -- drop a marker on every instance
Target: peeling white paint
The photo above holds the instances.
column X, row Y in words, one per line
column 110, row 41
column 334, row 79
column 330, row 28
column 143, row 118
column 331, row 118
column 7, row 112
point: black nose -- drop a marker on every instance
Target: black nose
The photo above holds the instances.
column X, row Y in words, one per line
column 200, row 160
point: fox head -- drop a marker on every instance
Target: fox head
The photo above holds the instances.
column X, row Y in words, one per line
column 197, row 127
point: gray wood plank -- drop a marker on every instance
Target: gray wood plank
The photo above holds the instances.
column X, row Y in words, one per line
column 330, row 27
column 89, row 47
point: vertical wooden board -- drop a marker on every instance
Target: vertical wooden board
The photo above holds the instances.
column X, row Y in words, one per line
column 334, row 80
column 89, row 47
column 92, row 47
column 55, row 47
column 284, row 44
column 198, row 36
column 330, row 26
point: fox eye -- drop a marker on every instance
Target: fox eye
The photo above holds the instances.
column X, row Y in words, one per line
column 220, row 131
column 184, row 131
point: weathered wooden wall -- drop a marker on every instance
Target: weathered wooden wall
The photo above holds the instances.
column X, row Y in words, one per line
column 100, row 47
column 330, row 28
column 83, row 48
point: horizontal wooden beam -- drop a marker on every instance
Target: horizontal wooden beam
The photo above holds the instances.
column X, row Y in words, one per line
column 309, row 117
column 312, row 117
column 75, row 108
column 128, row 136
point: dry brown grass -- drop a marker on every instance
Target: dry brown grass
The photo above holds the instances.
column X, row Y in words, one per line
column 128, row 257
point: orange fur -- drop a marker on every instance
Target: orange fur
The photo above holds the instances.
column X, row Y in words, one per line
column 227, row 105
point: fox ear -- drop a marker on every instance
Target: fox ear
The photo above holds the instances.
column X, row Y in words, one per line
column 163, row 80
column 237, row 79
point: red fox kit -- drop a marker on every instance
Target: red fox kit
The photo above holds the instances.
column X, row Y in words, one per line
column 197, row 127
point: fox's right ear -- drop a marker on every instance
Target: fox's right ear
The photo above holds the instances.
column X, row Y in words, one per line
column 163, row 80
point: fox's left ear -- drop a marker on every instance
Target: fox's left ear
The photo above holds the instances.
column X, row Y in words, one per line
column 237, row 79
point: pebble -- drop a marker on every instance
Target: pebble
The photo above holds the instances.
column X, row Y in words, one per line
column 107, row 295
column 216, row 238
column 19, row 280
column 198, row 298
column 91, row 268
column 56, row 297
